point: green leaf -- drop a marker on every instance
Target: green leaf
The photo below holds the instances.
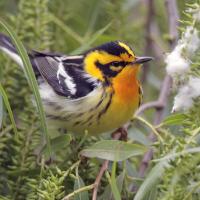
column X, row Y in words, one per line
column 152, row 193
column 31, row 79
column 151, row 180
column 174, row 119
column 79, row 184
column 131, row 169
column 137, row 135
column 119, row 181
column 113, row 150
column 58, row 143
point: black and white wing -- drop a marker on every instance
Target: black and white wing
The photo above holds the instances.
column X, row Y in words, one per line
column 64, row 74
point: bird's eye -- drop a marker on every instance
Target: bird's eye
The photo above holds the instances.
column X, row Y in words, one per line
column 115, row 66
column 115, row 63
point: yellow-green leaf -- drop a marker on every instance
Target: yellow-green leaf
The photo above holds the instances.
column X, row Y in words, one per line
column 174, row 119
column 113, row 150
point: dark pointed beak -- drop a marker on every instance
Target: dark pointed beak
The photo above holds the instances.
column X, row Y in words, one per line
column 141, row 60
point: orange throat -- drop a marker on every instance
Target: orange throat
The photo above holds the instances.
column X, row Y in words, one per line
column 126, row 85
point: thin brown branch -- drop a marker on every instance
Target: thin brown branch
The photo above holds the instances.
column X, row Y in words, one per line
column 161, row 103
column 148, row 34
column 159, row 106
column 158, row 50
column 146, row 106
column 104, row 167
column 118, row 134
column 171, row 8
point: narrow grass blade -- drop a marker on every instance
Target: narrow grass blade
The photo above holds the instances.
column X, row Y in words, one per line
column 114, row 187
column 93, row 19
column 151, row 127
column 10, row 113
column 31, row 78
column 107, row 194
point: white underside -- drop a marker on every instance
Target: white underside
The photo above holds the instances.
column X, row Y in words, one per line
column 71, row 111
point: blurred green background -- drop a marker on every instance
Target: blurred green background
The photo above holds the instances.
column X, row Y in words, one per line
column 72, row 27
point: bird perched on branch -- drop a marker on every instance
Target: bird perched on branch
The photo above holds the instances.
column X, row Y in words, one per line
column 97, row 91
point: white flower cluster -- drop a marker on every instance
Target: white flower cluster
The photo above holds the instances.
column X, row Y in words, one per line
column 178, row 61
column 178, row 64
column 186, row 93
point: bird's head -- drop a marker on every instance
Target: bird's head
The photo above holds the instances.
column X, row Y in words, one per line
column 107, row 61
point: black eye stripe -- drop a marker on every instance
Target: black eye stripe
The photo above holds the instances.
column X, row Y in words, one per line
column 106, row 69
column 117, row 64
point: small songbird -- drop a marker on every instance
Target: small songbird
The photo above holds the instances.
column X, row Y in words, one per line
column 97, row 91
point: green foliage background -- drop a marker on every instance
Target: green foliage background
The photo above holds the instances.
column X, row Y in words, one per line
column 72, row 27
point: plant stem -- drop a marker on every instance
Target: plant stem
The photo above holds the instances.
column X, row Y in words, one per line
column 116, row 136
column 89, row 187
column 161, row 103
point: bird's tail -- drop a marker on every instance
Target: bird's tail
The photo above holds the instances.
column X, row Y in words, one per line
column 7, row 46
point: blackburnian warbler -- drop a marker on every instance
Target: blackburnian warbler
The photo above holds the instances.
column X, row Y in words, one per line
column 97, row 91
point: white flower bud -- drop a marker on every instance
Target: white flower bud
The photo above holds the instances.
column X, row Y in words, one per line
column 186, row 94
column 191, row 40
column 176, row 64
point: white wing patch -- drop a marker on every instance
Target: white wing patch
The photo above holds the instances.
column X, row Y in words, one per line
column 70, row 84
column 91, row 79
column 68, row 80
column 71, row 57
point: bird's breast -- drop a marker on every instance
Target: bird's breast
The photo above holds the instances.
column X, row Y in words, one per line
column 126, row 86
column 125, row 100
